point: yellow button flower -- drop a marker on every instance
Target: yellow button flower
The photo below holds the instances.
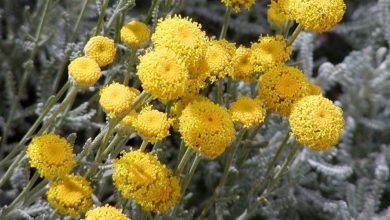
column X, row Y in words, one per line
column 70, row 196
column 51, row 155
column 247, row 111
column 152, row 124
column 219, row 58
column 163, row 74
column 269, row 52
column 206, row 127
column 316, row 122
column 314, row 89
column 105, row 213
column 141, row 177
column 275, row 13
column 84, row 71
column 197, row 77
column 116, row 99
column 242, row 67
column 314, row 15
column 102, row 49
column 236, row 4
column 281, row 87
column 135, row 34
column 182, row 36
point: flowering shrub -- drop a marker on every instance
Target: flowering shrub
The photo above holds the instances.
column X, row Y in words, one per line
column 147, row 110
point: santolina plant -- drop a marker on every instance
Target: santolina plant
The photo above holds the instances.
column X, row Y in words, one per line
column 177, row 87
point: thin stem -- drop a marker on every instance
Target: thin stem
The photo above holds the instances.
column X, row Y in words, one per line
column 294, row 35
column 114, row 142
column 65, row 103
column 186, row 181
column 183, row 162
column 277, row 155
column 11, row 168
column 102, row 14
column 132, row 58
column 21, row 196
column 226, row 20
column 143, row 145
column 150, row 11
column 219, row 91
column 222, row 181
column 182, row 149
column 26, row 74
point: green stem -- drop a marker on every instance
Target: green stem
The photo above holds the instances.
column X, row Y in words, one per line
column 102, row 14
column 183, row 162
column 11, row 168
column 132, row 58
column 277, row 155
column 182, row 149
column 219, row 91
column 186, row 180
column 65, row 103
column 226, row 20
column 114, row 142
column 118, row 10
column 294, row 35
column 21, row 196
column 143, row 145
column 150, row 11
column 26, row 74
column 225, row 173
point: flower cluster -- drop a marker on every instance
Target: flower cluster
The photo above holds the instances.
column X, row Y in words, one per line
column 105, row 212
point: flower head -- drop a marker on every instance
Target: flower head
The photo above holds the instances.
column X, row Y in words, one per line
column 51, row 155
column 70, row 196
column 116, row 99
column 135, row 34
column 316, row 122
column 101, row 49
column 281, row 87
column 105, row 213
column 275, row 13
column 247, row 112
column 163, row 74
column 242, row 67
column 84, row 71
column 237, row 3
column 314, row 89
column 182, row 36
column 141, row 177
column 269, row 52
column 314, row 15
column 197, row 77
column 206, row 127
column 219, row 58
column 152, row 125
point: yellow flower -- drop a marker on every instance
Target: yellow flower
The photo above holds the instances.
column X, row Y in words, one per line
column 101, row 49
column 126, row 126
column 316, row 122
column 219, row 58
column 182, row 36
column 269, row 52
column 105, row 213
column 275, row 14
column 314, row 15
column 70, row 196
column 84, row 71
column 51, row 155
column 152, row 125
column 178, row 107
column 163, row 74
column 116, row 99
column 281, row 87
column 237, row 3
column 206, row 127
column 141, row 177
column 248, row 112
column 135, row 34
column 242, row 67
